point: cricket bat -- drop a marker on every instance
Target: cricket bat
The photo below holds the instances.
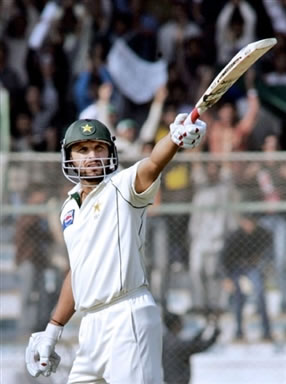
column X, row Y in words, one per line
column 237, row 66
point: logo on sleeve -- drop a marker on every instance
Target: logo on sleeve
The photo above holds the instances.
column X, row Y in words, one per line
column 68, row 219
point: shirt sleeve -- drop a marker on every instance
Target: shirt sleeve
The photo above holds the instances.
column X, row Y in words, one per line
column 125, row 183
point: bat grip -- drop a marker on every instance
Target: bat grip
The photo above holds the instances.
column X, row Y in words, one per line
column 194, row 115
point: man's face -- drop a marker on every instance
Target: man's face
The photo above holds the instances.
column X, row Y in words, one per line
column 90, row 157
column 226, row 113
column 248, row 225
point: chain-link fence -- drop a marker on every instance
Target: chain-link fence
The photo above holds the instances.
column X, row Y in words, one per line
column 215, row 249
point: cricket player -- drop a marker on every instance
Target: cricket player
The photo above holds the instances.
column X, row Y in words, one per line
column 103, row 221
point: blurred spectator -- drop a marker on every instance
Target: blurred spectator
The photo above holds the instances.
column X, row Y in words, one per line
column 176, row 186
column 101, row 12
column 10, row 80
column 38, row 278
column 22, row 18
column 268, row 124
column 150, row 126
column 156, row 249
column 278, row 75
column 81, row 26
column 175, row 29
column 243, row 255
column 213, row 186
column 271, row 179
column 138, row 85
column 94, row 24
column 272, row 90
column 205, row 14
column 77, row 37
column 48, row 70
column 143, row 41
column 23, row 135
column 42, row 107
column 133, row 139
column 101, row 108
column 166, row 114
column 69, row 20
column 192, row 65
column 59, row 257
column 265, row 181
column 121, row 25
column 277, row 14
column 126, row 131
column 235, row 28
column 95, row 74
column 231, row 133
column 177, row 351
column 177, row 92
column 64, row 21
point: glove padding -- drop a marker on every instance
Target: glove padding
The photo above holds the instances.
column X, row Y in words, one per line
column 187, row 135
column 41, row 357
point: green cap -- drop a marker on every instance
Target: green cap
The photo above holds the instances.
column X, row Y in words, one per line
column 82, row 130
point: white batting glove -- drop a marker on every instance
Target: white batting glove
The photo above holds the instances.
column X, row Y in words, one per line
column 41, row 357
column 187, row 135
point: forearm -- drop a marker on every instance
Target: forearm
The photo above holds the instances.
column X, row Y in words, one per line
column 148, row 130
column 249, row 18
column 162, row 153
column 182, row 135
column 247, row 124
column 103, row 115
column 150, row 168
column 223, row 20
column 65, row 305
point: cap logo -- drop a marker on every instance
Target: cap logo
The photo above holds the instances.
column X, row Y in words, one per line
column 87, row 129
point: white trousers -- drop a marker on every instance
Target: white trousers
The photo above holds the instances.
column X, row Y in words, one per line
column 121, row 343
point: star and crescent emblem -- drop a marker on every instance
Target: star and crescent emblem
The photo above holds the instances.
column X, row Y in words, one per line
column 96, row 209
column 87, row 129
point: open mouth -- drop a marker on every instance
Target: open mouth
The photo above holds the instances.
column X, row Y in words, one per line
column 92, row 165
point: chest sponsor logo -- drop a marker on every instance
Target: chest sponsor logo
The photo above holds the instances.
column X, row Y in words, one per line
column 68, row 219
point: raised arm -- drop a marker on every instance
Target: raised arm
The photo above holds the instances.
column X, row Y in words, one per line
column 149, row 128
column 181, row 136
column 246, row 125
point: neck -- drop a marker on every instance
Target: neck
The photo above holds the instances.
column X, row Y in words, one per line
column 88, row 186
column 85, row 191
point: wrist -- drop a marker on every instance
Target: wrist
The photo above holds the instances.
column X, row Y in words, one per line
column 56, row 322
column 54, row 331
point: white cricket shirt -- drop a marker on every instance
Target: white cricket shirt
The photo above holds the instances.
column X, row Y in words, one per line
column 105, row 239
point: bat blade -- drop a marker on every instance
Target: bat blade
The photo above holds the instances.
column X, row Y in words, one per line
column 237, row 66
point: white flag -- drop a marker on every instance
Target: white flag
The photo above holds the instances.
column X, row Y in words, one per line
column 136, row 78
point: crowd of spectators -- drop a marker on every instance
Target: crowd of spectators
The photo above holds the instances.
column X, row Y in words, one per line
column 55, row 62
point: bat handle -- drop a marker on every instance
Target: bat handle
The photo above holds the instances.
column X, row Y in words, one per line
column 194, row 115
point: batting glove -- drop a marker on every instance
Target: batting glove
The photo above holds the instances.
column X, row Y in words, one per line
column 187, row 135
column 41, row 357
